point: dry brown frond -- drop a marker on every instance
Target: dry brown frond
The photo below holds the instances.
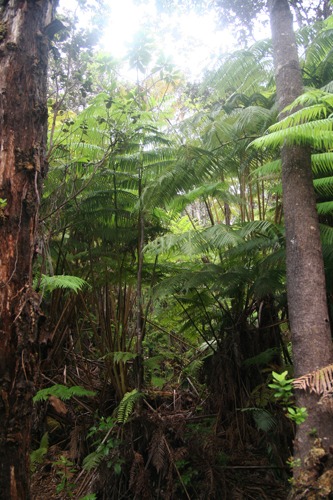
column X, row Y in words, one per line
column 158, row 450
column 140, row 478
column 318, row 381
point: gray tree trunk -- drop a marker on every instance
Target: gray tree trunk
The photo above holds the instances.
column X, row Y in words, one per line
column 307, row 303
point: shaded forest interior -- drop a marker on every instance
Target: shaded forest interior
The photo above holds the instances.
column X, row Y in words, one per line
column 161, row 271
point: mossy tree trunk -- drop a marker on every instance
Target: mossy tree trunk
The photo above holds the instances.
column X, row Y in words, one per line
column 307, row 303
column 23, row 127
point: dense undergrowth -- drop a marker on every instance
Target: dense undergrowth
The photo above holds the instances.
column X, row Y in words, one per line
column 161, row 266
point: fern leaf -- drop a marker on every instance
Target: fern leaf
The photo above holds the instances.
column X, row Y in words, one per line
column 50, row 283
column 37, row 456
column 318, row 381
column 263, row 419
column 158, row 450
column 123, row 356
column 126, row 405
column 93, row 460
column 62, row 392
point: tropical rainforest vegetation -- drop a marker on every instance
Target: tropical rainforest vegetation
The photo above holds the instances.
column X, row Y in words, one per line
column 166, row 360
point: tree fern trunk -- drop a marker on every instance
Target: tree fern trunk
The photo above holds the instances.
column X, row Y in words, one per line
column 23, row 126
column 308, row 314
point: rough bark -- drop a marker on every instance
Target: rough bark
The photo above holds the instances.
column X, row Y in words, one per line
column 307, row 303
column 23, row 127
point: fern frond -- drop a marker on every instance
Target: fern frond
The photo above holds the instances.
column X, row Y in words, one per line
column 123, row 356
column 318, row 381
column 269, row 169
column 50, row 283
column 304, row 115
column 62, row 392
column 158, row 450
column 317, row 134
column 263, row 419
column 37, row 456
column 322, row 163
column 126, row 405
column 93, row 460
column 324, row 186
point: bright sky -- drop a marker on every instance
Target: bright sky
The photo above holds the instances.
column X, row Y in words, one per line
column 190, row 40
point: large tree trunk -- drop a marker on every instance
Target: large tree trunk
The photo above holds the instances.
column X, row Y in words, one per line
column 23, row 127
column 308, row 314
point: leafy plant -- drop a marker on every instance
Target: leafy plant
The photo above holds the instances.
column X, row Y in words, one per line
column 62, row 392
column 50, row 283
column 127, row 404
column 105, row 443
column 297, row 415
column 282, row 386
column 37, row 456
column 65, row 470
column 283, row 391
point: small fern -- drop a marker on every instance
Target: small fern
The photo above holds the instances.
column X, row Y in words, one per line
column 126, row 405
column 37, row 456
column 93, row 460
column 62, row 392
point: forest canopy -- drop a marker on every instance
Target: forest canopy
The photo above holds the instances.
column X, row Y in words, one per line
column 174, row 358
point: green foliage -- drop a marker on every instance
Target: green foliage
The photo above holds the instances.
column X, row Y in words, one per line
column 127, row 404
column 65, row 469
column 106, row 444
column 37, row 456
column 51, row 283
column 282, row 386
column 123, row 357
column 283, row 391
column 263, row 419
column 297, row 415
column 62, row 392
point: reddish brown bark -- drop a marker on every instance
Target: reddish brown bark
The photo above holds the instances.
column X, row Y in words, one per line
column 23, row 126
column 307, row 303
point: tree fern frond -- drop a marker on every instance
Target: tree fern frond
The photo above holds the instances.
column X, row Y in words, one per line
column 62, row 392
column 268, row 282
column 322, row 163
column 324, row 186
column 263, row 358
column 266, row 228
column 310, row 98
column 318, row 381
column 304, row 115
column 270, row 169
column 317, row 134
column 263, row 419
column 325, row 207
column 50, row 283
column 326, row 234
